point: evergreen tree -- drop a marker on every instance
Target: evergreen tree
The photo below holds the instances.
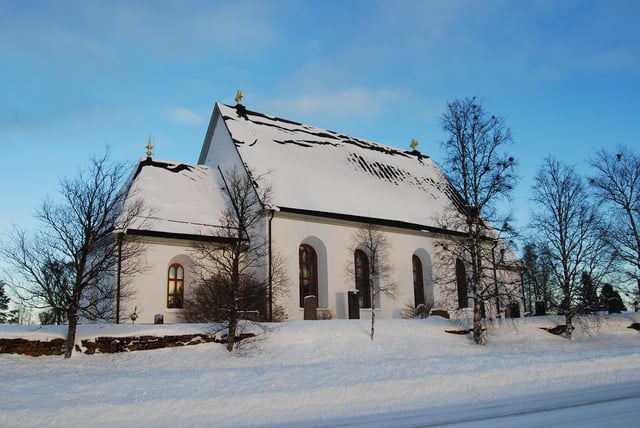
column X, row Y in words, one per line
column 611, row 300
column 590, row 301
column 6, row 316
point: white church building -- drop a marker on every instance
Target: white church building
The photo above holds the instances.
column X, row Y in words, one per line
column 325, row 185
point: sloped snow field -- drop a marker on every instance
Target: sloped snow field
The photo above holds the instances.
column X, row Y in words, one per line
column 329, row 373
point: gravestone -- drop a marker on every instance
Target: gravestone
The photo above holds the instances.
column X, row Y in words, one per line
column 310, row 308
column 354, row 305
column 514, row 310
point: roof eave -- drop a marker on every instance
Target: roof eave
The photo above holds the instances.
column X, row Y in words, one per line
column 371, row 220
column 181, row 236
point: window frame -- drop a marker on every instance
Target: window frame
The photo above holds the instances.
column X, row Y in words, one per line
column 462, row 285
column 175, row 286
column 308, row 272
column 418, row 281
column 362, row 278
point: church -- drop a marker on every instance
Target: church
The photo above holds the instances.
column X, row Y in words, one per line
column 324, row 187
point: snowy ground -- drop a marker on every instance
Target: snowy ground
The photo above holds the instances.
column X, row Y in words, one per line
column 329, row 373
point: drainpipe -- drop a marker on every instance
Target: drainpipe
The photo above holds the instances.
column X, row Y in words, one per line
column 118, row 274
column 272, row 210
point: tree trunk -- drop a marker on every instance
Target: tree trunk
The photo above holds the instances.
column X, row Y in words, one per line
column 476, row 266
column 71, row 333
column 235, row 284
column 478, row 335
column 568, row 333
column 373, row 278
column 373, row 315
column 231, row 339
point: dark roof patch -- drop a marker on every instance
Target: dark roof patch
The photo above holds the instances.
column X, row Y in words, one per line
column 173, row 167
column 297, row 143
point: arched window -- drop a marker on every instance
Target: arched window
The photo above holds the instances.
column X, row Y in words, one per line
column 461, row 281
column 308, row 272
column 363, row 285
column 175, row 292
column 418, row 281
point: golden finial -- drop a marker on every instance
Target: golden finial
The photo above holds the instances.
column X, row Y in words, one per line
column 414, row 144
column 239, row 96
column 149, row 147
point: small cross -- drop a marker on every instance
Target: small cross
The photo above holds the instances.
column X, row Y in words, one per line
column 413, row 144
column 239, row 96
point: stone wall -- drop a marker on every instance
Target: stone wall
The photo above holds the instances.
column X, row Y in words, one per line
column 33, row 348
column 109, row 345
column 37, row 348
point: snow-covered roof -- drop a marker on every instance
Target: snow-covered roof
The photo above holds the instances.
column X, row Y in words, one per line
column 178, row 198
column 317, row 170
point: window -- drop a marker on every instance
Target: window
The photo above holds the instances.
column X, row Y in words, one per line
column 461, row 281
column 418, row 281
column 308, row 272
column 363, row 285
column 175, row 293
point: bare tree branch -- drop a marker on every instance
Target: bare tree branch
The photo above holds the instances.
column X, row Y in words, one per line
column 379, row 276
column 232, row 268
column 68, row 266
column 570, row 233
column 481, row 174
column 617, row 186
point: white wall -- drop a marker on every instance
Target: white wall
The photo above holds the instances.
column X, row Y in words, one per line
column 151, row 286
column 334, row 246
column 222, row 151
column 333, row 243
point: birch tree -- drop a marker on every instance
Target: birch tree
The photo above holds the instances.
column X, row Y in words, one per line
column 617, row 186
column 378, row 272
column 482, row 174
column 570, row 235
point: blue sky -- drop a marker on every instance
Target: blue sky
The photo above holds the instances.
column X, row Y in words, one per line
column 76, row 76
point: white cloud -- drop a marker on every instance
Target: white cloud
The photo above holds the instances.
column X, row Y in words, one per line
column 183, row 115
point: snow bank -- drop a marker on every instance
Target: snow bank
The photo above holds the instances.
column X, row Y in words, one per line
column 315, row 373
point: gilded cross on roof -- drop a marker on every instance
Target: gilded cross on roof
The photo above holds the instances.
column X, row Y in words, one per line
column 239, row 96
column 149, row 147
column 414, row 144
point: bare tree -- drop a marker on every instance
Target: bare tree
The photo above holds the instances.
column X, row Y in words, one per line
column 374, row 271
column 617, row 186
column 232, row 268
column 570, row 235
column 68, row 266
column 58, row 276
column 481, row 174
